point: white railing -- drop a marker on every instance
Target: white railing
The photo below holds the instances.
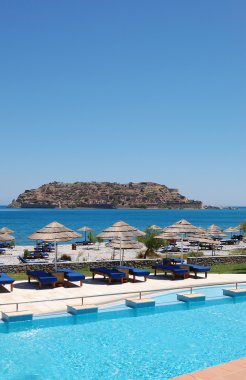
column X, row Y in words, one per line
column 139, row 293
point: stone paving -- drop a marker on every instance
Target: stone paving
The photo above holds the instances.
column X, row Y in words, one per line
column 24, row 291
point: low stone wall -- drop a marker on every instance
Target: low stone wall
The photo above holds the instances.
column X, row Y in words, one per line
column 138, row 263
column 20, row 268
column 213, row 260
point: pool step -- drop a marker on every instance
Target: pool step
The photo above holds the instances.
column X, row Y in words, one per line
column 234, row 292
column 16, row 316
column 82, row 309
column 137, row 303
column 190, row 297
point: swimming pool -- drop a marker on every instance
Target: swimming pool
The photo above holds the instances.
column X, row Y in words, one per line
column 160, row 343
column 211, row 292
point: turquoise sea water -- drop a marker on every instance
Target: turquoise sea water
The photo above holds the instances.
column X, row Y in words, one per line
column 125, row 345
column 26, row 221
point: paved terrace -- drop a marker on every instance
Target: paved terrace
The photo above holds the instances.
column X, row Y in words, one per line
column 24, row 291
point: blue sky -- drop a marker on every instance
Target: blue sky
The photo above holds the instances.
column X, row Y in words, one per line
column 123, row 91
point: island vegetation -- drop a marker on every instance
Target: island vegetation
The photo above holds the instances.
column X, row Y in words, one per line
column 103, row 195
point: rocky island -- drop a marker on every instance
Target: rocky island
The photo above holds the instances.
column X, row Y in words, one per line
column 103, row 195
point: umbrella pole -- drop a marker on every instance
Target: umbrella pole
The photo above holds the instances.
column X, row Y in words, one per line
column 55, row 256
column 182, row 248
column 120, row 253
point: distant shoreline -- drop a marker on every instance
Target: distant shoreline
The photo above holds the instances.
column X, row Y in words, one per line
column 123, row 208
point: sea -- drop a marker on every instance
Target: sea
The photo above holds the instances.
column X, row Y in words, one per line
column 26, row 221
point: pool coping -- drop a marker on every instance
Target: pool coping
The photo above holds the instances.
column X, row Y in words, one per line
column 232, row 370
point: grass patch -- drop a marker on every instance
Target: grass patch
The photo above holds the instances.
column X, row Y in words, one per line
column 218, row 268
column 18, row 276
column 22, row 276
column 229, row 268
column 85, row 271
column 239, row 251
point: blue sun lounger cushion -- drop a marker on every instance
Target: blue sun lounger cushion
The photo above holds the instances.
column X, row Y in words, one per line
column 30, row 261
column 135, row 271
column 111, row 274
column 198, row 269
column 5, row 279
column 42, row 277
column 71, row 275
column 173, row 270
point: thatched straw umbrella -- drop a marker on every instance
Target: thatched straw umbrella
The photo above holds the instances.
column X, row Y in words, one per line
column 116, row 230
column 6, row 237
column 6, row 230
column 139, row 233
column 214, row 230
column 154, row 227
column 118, row 227
column 182, row 227
column 232, row 230
column 167, row 236
column 54, row 232
column 122, row 242
column 85, row 229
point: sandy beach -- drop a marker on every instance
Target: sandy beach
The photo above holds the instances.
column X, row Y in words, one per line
column 95, row 252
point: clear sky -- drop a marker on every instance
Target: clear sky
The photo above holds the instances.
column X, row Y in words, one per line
column 129, row 90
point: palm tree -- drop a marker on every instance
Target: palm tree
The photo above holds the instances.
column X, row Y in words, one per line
column 151, row 243
column 243, row 226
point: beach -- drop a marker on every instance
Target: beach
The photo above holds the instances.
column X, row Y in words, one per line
column 96, row 252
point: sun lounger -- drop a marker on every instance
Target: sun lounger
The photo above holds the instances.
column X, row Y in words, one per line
column 177, row 263
column 191, row 267
column 6, row 279
column 198, row 269
column 171, row 269
column 44, row 255
column 135, row 272
column 38, row 255
column 72, row 276
column 31, row 261
column 42, row 277
column 111, row 274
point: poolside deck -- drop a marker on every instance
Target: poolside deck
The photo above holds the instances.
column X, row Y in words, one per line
column 24, row 291
column 234, row 370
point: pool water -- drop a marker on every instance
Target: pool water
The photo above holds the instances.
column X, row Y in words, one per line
column 211, row 292
column 160, row 343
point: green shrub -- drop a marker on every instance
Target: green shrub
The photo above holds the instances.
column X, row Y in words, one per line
column 195, row 254
column 151, row 243
column 149, row 254
column 66, row 257
column 239, row 251
column 140, row 255
column 92, row 237
column 243, row 226
column 26, row 253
